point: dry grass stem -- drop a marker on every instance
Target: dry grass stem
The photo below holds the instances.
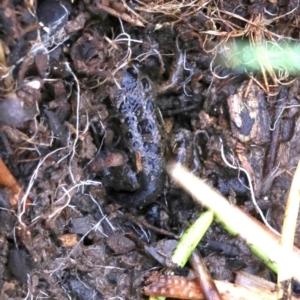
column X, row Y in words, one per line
column 134, row 19
column 254, row 283
column 259, row 36
column 5, row 72
column 176, row 9
column 287, row 235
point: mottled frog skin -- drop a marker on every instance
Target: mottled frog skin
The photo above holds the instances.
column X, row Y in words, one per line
column 141, row 139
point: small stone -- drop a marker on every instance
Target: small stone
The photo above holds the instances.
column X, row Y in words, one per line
column 17, row 264
column 81, row 225
column 120, row 244
column 53, row 14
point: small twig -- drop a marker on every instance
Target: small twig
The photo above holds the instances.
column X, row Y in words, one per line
column 123, row 16
column 204, row 279
column 149, row 226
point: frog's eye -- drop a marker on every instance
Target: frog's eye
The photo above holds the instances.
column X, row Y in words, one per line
column 128, row 136
column 145, row 83
column 132, row 72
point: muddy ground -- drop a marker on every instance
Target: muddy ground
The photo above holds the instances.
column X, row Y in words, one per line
column 96, row 98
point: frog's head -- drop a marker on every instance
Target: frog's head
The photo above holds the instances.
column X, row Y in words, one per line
column 134, row 78
column 130, row 78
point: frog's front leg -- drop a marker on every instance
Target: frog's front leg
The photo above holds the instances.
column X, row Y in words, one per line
column 115, row 171
column 184, row 150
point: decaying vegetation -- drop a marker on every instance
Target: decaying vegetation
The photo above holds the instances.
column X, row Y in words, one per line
column 221, row 80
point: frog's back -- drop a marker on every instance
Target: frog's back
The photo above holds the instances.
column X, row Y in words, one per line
column 141, row 138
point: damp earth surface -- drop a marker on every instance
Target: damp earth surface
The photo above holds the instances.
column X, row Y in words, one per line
column 96, row 97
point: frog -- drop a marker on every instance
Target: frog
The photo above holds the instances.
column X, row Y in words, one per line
column 141, row 140
column 140, row 178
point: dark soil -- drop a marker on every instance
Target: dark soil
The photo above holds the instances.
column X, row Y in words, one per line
column 92, row 108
